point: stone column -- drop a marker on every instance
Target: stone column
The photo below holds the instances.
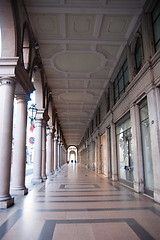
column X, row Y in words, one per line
column 7, row 88
column 137, row 149
column 44, row 177
column 19, row 153
column 113, row 152
column 153, row 107
column 61, row 155
column 55, row 152
column 53, row 169
column 37, row 167
column 58, row 153
column 49, row 150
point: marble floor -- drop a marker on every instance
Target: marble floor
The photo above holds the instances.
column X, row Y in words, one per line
column 77, row 204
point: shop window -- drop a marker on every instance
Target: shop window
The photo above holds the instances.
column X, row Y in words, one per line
column 156, row 25
column 121, row 82
column 125, row 150
column 138, row 54
column 146, row 148
column 26, row 48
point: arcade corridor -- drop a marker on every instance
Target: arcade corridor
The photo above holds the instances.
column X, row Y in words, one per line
column 82, row 161
column 78, row 204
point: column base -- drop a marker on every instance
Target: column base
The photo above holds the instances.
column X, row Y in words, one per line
column 49, row 175
column 36, row 180
column 114, row 177
column 19, row 191
column 157, row 196
column 44, row 177
column 7, row 202
column 138, row 187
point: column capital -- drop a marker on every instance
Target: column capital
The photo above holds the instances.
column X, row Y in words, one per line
column 8, row 67
column 150, row 88
column 7, row 81
column 40, row 114
column 50, row 130
column 23, row 97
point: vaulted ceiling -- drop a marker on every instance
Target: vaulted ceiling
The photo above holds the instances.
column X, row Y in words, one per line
column 80, row 43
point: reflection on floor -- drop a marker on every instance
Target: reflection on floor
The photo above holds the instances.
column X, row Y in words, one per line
column 76, row 204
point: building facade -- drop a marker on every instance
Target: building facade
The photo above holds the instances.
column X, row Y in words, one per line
column 122, row 139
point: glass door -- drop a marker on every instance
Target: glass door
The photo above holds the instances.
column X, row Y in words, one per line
column 125, row 150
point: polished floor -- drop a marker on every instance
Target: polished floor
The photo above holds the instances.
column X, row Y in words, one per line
column 77, row 204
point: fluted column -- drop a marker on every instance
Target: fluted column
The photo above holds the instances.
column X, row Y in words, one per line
column 44, row 177
column 19, row 154
column 37, row 167
column 49, row 150
column 7, row 88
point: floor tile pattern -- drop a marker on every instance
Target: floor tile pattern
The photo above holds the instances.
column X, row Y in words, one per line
column 77, row 204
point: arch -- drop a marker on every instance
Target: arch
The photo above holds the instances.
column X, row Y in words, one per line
column 138, row 53
column 46, row 97
column 38, row 82
column 137, row 40
column 72, row 154
column 7, row 29
column 50, row 112
column 26, row 50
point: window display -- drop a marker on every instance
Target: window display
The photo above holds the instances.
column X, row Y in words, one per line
column 124, row 149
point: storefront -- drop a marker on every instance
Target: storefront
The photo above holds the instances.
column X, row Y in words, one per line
column 125, row 151
column 146, row 148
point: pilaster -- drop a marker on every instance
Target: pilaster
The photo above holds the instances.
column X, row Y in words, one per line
column 137, row 149
column 147, row 35
column 107, row 154
column 113, row 152
column 153, row 106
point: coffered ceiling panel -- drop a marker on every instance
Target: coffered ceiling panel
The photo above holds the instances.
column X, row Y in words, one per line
column 80, row 42
column 115, row 26
column 80, row 25
column 46, row 24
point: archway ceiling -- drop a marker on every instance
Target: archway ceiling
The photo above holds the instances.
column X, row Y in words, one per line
column 80, row 43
